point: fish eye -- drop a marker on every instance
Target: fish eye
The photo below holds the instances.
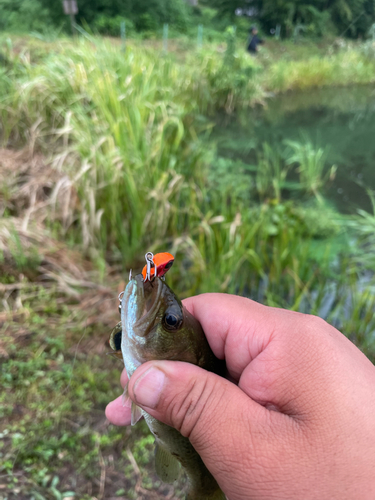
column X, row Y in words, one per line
column 169, row 264
column 171, row 321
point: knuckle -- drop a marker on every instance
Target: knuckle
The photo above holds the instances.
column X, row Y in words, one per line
column 315, row 324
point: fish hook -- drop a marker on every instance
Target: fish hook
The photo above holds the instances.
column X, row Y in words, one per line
column 120, row 299
column 150, row 264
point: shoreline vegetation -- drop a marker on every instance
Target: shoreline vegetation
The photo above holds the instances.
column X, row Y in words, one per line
column 107, row 153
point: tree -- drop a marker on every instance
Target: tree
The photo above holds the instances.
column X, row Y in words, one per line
column 317, row 16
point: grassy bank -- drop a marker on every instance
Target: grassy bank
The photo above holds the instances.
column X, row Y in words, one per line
column 352, row 66
column 107, row 154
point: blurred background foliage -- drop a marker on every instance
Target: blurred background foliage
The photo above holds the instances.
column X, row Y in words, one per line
column 314, row 18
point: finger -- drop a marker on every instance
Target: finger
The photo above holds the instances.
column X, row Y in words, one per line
column 237, row 329
column 224, row 425
column 117, row 413
column 124, row 378
column 265, row 348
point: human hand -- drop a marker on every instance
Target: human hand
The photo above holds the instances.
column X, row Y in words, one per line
column 297, row 422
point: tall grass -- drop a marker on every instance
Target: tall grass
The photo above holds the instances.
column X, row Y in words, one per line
column 122, row 127
column 128, row 135
column 347, row 67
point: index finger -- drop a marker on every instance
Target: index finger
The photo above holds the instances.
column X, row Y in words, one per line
column 237, row 329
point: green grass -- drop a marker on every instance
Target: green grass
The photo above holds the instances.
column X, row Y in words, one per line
column 351, row 66
column 54, row 439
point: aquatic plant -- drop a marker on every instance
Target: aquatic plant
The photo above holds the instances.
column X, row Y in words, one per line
column 271, row 172
column 311, row 163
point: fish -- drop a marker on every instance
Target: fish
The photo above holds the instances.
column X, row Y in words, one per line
column 155, row 326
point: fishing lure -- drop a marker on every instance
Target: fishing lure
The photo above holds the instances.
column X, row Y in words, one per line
column 156, row 265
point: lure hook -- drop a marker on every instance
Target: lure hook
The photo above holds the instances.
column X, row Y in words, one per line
column 149, row 265
column 120, row 299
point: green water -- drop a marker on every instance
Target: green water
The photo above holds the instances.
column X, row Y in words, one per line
column 340, row 120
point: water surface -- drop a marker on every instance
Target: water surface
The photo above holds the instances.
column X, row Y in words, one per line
column 340, row 120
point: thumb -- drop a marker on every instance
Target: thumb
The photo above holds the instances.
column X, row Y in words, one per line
column 224, row 425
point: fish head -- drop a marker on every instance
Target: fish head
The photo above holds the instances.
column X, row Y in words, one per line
column 155, row 325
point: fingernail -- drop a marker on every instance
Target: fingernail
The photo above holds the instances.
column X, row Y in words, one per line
column 148, row 387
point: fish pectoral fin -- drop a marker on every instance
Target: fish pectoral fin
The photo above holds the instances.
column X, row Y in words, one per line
column 125, row 399
column 136, row 414
column 166, row 465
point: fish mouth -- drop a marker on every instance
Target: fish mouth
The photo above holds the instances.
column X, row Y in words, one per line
column 140, row 305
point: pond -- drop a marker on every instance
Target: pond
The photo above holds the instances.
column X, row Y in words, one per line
column 341, row 120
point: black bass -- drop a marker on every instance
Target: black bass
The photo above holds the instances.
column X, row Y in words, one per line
column 155, row 325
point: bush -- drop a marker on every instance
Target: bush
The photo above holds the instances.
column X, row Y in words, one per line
column 146, row 22
column 111, row 26
column 23, row 15
column 150, row 15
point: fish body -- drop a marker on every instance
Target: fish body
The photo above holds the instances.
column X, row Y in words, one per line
column 155, row 325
